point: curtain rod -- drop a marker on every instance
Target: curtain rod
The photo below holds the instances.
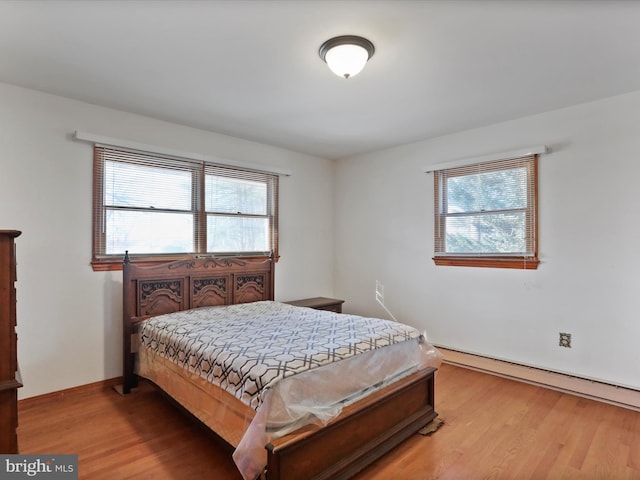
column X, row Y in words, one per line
column 114, row 142
column 523, row 152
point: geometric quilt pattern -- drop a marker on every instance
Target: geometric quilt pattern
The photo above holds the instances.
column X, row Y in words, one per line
column 246, row 348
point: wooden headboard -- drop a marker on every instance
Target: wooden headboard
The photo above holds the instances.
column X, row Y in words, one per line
column 185, row 284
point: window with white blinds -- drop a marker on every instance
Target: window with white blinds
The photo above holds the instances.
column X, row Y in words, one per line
column 161, row 208
column 486, row 214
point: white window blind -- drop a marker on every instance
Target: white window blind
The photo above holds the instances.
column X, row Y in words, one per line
column 487, row 210
column 151, row 205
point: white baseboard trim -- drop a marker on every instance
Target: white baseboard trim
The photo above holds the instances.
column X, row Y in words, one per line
column 595, row 390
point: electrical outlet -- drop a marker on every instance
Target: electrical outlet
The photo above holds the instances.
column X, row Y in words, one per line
column 379, row 291
column 565, row 340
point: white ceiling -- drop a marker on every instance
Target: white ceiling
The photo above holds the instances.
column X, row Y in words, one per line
column 251, row 68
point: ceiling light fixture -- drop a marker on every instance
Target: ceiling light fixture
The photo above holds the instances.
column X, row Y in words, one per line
column 346, row 55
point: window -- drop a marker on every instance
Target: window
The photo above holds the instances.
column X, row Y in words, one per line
column 486, row 214
column 161, row 208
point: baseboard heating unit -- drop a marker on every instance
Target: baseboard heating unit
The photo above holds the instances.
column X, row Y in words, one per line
column 588, row 388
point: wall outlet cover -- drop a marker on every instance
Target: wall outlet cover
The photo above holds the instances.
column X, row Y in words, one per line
column 565, row 340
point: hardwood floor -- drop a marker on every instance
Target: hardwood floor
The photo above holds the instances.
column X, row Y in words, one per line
column 494, row 429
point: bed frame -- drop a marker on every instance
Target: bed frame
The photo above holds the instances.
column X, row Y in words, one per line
column 361, row 434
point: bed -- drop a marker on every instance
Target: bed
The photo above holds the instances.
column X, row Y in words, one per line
column 329, row 420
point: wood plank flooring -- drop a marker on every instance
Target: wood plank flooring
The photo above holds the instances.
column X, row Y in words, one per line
column 494, row 428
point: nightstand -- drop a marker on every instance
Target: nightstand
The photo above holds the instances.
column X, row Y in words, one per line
column 320, row 303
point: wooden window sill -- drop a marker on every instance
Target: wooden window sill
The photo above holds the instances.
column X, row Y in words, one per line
column 115, row 264
column 521, row 263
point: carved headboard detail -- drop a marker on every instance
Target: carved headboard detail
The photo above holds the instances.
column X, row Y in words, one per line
column 185, row 284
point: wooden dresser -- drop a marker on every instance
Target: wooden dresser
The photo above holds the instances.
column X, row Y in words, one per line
column 9, row 377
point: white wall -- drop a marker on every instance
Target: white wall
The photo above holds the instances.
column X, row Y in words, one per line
column 69, row 317
column 383, row 227
column 589, row 230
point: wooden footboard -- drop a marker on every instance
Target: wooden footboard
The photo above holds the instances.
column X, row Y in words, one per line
column 360, row 435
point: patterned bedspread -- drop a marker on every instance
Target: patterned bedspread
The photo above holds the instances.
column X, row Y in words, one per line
column 246, row 348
